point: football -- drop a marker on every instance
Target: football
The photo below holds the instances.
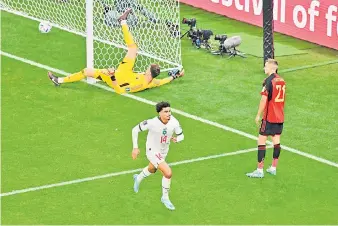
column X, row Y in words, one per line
column 45, row 27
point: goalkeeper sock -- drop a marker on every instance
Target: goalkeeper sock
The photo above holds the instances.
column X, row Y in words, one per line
column 72, row 78
column 145, row 173
column 165, row 187
column 128, row 38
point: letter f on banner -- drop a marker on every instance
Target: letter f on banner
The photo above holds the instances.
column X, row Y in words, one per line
column 313, row 12
column 330, row 18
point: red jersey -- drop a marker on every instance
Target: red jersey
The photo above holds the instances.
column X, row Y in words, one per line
column 274, row 88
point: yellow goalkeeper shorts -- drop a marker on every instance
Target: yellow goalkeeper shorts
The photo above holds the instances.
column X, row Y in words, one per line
column 124, row 72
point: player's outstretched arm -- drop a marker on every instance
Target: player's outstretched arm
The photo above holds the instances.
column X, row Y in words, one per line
column 161, row 82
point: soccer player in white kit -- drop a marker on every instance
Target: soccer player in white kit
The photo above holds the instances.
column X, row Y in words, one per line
column 160, row 133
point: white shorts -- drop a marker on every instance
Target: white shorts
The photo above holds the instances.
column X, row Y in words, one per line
column 155, row 157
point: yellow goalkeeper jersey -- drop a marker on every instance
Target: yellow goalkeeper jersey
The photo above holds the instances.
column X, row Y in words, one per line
column 140, row 83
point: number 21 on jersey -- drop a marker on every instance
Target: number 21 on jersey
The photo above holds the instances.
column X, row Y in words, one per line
column 281, row 93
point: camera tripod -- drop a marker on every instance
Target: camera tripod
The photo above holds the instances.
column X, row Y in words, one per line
column 206, row 44
column 234, row 52
column 185, row 33
column 230, row 52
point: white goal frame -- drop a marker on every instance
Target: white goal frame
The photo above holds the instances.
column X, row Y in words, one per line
column 90, row 39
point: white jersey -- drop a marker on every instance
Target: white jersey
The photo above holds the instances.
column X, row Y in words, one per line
column 159, row 134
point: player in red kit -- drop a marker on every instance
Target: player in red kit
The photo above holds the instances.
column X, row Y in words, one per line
column 271, row 124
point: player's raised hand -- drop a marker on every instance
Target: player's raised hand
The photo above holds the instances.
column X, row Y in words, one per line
column 174, row 139
column 135, row 153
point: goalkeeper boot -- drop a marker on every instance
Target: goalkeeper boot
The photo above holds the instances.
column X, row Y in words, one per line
column 256, row 174
column 124, row 16
column 167, row 203
column 53, row 78
column 272, row 170
column 136, row 184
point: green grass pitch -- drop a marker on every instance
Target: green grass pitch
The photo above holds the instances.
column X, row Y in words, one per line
column 56, row 134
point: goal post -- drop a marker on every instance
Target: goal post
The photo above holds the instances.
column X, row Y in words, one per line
column 268, row 30
column 90, row 37
column 90, row 33
column 153, row 23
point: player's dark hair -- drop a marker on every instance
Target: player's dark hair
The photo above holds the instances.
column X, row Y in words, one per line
column 155, row 70
column 161, row 105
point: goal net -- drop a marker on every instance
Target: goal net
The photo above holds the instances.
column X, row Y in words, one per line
column 153, row 23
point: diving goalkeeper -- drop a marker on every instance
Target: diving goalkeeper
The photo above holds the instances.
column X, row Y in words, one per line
column 123, row 79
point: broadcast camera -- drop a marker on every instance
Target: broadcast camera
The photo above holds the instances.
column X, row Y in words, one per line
column 221, row 38
column 190, row 22
column 202, row 38
column 199, row 37
column 228, row 46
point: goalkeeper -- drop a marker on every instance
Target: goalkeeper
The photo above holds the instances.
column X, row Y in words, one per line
column 123, row 79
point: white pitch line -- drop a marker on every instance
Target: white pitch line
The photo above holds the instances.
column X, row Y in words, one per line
column 121, row 173
column 218, row 125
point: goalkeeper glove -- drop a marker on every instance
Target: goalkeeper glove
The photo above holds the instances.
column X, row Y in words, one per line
column 175, row 73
